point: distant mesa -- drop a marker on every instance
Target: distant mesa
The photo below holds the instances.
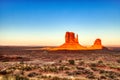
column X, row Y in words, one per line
column 72, row 43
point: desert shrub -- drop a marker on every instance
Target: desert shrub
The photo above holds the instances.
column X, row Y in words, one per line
column 69, row 73
column 103, row 77
column 71, row 62
column 49, row 76
column 113, row 67
column 91, row 76
column 28, row 68
column 44, row 76
column 118, row 68
column 21, row 62
column 61, row 68
column 66, row 68
column 65, row 79
column 78, row 79
column 80, row 68
column 33, row 74
column 94, row 68
column 19, row 57
column 93, row 65
column 87, row 72
column 118, row 61
column 5, row 60
column 77, row 72
column 100, row 62
column 112, row 75
column 53, row 70
column 21, row 78
column 60, row 61
column 102, row 72
column 56, row 78
column 3, row 72
column 81, row 63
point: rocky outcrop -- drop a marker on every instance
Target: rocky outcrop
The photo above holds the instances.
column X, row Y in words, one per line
column 70, row 37
column 72, row 43
column 97, row 44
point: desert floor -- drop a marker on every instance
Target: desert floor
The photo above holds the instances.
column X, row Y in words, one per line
column 32, row 63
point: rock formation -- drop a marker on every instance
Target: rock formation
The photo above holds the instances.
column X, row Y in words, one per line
column 70, row 37
column 97, row 44
column 72, row 43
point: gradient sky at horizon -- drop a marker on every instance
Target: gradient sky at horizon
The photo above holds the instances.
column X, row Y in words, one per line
column 44, row 22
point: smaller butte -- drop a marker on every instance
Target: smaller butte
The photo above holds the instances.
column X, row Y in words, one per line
column 72, row 43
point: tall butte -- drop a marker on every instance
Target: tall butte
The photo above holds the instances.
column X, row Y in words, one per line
column 72, row 43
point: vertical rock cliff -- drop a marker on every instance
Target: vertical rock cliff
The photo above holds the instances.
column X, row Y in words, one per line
column 71, row 38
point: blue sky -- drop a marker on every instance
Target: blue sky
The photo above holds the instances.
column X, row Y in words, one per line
column 44, row 22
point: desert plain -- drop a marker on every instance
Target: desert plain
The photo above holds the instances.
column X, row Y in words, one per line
column 33, row 63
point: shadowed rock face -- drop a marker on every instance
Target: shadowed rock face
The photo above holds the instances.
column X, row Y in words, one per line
column 72, row 43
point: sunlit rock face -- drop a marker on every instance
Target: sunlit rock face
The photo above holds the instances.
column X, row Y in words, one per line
column 72, row 43
column 70, row 37
column 97, row 44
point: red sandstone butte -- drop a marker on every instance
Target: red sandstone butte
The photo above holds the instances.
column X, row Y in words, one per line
column 72, row 43
column 97, row 44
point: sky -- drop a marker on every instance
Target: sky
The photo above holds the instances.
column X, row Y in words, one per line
column 44, row 22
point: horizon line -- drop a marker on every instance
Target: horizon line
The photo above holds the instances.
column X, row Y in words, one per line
column 50, row 45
